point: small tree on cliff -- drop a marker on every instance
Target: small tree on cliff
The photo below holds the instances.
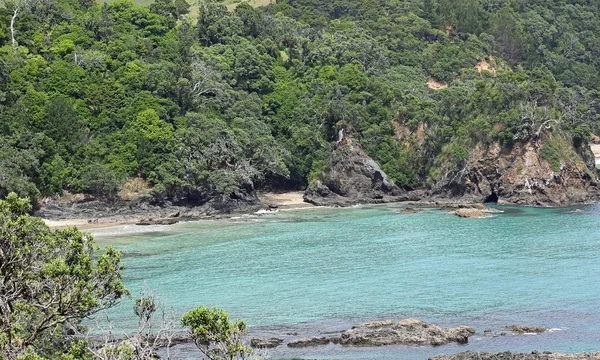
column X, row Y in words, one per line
column 49, row 281
column 215, row 335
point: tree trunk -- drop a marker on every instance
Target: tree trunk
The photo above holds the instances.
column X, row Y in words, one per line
column 12, row 27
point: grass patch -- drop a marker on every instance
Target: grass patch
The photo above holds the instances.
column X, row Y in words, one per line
column 552, row 152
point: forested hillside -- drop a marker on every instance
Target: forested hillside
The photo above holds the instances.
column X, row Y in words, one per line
column 217, row 103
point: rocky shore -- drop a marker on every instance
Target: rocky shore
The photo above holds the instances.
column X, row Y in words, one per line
column 351, row 177
column 85, row 211
column 380, row 333
column 536, row 355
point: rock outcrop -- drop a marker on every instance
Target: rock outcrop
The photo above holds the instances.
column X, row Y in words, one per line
column 521, row 174
column 352, row 177
column 149, row 210
column 536, row 355
column 472, row 213
column 408, row 331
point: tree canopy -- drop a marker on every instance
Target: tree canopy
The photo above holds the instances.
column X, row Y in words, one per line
column 93, row 94
column 49, row 282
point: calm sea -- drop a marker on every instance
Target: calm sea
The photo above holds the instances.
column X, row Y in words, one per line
column 318, row 270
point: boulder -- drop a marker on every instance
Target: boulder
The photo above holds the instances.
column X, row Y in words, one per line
column 408, row 331
column 265, row 343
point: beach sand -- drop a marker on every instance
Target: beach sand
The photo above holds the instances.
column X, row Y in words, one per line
column 285, row 200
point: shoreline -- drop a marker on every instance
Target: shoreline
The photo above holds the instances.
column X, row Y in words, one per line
column 278, row 201
column 270, row 202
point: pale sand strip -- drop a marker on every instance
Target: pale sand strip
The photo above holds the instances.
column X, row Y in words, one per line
column 284, row 200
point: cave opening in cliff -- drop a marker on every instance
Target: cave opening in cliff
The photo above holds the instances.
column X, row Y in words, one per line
column 493, row 198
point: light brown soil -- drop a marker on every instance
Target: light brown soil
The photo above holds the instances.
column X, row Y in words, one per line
column 435, row 84
column 285, row 200
column 484, row 65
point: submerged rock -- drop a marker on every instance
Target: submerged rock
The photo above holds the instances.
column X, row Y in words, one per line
column 265, row 343
column 526, row 329
column 408, row 331
column 536, row 355
column 352, row 177
column 409, row 210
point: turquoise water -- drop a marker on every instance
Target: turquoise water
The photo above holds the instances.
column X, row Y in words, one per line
column 318, row 270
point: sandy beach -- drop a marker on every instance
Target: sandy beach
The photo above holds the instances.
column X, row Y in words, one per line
column 284, row 200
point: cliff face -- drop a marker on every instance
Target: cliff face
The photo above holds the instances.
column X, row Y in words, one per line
column 549, row 173
column 352, row 177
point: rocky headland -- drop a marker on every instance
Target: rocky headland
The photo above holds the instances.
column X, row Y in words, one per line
column 352, row 177
column 549, row 172
column 523, row 174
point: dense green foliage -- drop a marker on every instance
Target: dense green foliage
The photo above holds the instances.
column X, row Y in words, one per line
column 215, row 335
column 49, row 282
column 92, row 94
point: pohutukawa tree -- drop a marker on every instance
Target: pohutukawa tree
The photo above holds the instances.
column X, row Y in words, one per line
column 215, row 336
column 49, row 281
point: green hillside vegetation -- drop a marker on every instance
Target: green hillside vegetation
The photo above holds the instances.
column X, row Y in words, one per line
column 94, row 94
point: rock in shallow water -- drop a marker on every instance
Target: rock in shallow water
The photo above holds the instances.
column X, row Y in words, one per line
column 527, row 329
column 408, row 331
column 472, row 213
column 469, row 355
